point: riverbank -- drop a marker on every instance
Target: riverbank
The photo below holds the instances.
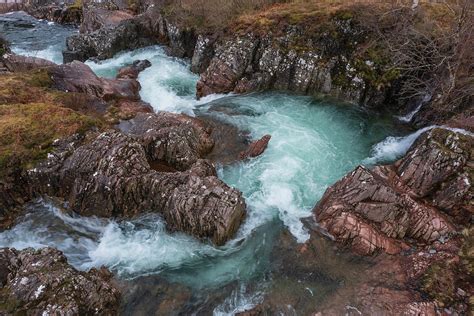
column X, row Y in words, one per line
column 313, row 144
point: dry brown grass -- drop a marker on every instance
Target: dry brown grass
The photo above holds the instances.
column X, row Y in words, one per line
column 218, row 14
column 31, row 117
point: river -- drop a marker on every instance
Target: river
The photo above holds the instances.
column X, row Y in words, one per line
column 314, row 143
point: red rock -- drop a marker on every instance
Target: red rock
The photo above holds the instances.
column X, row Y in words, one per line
column 256, row 148
column 78, row 77
column 18, row 63
column 96, row 17
column 372, row 210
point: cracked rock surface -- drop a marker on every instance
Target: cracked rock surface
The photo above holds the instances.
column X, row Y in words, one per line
column 157, row 167
column 377, row 210
column 41, row 282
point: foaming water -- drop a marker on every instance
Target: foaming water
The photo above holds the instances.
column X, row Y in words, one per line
column 32, row 37
column 392, row 148
column 313, row 144
column 167, row 85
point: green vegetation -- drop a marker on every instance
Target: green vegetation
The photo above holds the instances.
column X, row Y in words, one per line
column 32, row 116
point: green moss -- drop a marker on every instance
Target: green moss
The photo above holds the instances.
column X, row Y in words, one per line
column 76, row 5
column 39, row 78
column 27, row 131
column 344, row 15
column 438, row 283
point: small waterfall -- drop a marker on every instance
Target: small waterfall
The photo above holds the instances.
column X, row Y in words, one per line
column 393, row 148
column 409, row 116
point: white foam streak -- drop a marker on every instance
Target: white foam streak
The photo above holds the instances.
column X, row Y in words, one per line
column 239, row 301
column 393, row 148
column 132, row 248
column 409, row 116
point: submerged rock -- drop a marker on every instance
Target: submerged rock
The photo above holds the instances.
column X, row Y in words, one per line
column 40, row 282
column 372, row 210
column 112, row 174
column 256, row 148
column 132, row 71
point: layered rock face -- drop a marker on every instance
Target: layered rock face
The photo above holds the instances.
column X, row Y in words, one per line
column 376, row 210
column 278, row 61
column 62, row 12
column 103, row 40
column 156, row 167
column 40, row 282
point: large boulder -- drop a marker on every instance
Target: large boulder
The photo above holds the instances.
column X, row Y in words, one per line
column 59, row 13
column 18, row 63
column 98, row 17
column 373, row 210
column 146, row 29
column 156, row 167
column 41, row 282
column 78, row 77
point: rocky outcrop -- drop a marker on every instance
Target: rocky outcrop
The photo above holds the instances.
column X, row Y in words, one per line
column 156, row 167
column 256, row 148
column 18, row 63
column 78, row 77
column 255, row 62
column 373, row 210
column 40, row 282
column 14, row 193
column 59, row 13
column 142, row 30
column 97, row 17
column 132, row 71
column 4, row 46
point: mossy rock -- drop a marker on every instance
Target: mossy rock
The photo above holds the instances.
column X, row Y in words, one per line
column 27, row 131
column 438, row 282
column 32, row 117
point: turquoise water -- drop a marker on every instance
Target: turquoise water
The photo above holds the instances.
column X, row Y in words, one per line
column 314, row 143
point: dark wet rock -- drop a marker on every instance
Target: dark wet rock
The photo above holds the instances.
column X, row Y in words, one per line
column 111, row 174
column 153, row 295
column 78, row 77
column 203, row 53
column 178, row 139
column 304, row 275
column 14, row 193
column 107, row 41
column 142, row 30
column 4, row 46
column 380, row 285
column 254, row 62
column 18, row 63
column 39, row 282
column 132, row 71
column 59, row 13
column 97, row 17
column 228, row 140
column 256, row 148
column 372, row 210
